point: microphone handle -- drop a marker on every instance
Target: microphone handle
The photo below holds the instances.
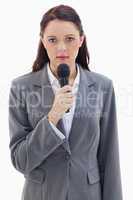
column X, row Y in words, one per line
column 63, row 82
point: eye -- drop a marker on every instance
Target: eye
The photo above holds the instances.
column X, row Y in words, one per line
column 52, row 40
column 69, row 39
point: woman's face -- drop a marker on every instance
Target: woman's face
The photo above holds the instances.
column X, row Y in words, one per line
column 62, row 41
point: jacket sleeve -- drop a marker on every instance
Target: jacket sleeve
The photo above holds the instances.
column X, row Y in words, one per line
column 29, row 147
column 108, row 151
column 57, row 131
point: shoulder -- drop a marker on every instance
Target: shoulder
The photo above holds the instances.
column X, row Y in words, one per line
column 99, row 79
column 22, row 78
column 26, row 79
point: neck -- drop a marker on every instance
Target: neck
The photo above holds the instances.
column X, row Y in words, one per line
column 72, row 76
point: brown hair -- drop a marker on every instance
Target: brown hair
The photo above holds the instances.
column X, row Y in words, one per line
column 65, row 13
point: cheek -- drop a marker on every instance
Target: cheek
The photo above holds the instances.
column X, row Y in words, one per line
column 50, row 51
column 74, row 50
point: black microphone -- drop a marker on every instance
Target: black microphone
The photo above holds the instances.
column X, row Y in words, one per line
column 63, row 73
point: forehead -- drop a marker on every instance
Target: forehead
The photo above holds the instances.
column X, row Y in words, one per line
column 59, row 27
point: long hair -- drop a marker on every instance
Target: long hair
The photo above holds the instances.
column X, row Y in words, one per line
column 65, row 13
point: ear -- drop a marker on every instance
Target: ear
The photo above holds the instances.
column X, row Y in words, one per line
column 81, row 40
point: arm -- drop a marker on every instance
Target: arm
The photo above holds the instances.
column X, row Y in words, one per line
column 29, row 147
column 108, row 152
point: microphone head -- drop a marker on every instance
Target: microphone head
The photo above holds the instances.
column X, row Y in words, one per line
column 63, row 70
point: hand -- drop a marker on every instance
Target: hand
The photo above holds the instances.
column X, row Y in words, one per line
column 62, row 102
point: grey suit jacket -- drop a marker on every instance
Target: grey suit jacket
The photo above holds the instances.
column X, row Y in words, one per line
column 84, row 166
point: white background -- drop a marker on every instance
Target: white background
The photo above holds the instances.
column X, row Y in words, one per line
column 109, row 31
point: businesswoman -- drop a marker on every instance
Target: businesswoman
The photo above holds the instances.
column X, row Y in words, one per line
column 64, row 155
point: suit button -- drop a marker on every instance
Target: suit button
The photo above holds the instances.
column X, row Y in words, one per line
column 67, row 156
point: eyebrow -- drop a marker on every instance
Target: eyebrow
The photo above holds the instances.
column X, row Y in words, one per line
column 65, row 35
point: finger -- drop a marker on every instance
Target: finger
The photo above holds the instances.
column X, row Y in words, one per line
column 62, row 95
column 66, row 88
column 68, row 95
column 66, row 101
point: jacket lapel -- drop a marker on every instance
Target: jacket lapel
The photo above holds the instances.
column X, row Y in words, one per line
column 85, row 85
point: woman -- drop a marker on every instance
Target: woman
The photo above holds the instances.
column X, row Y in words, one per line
column 64, row 155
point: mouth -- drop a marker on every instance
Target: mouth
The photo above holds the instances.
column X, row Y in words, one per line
column 62, row 57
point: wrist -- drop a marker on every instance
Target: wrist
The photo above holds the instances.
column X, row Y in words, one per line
column 53, row 117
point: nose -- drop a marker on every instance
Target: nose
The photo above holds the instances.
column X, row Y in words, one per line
column 61, row 47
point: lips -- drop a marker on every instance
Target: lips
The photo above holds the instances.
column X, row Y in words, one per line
column 62, row 57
